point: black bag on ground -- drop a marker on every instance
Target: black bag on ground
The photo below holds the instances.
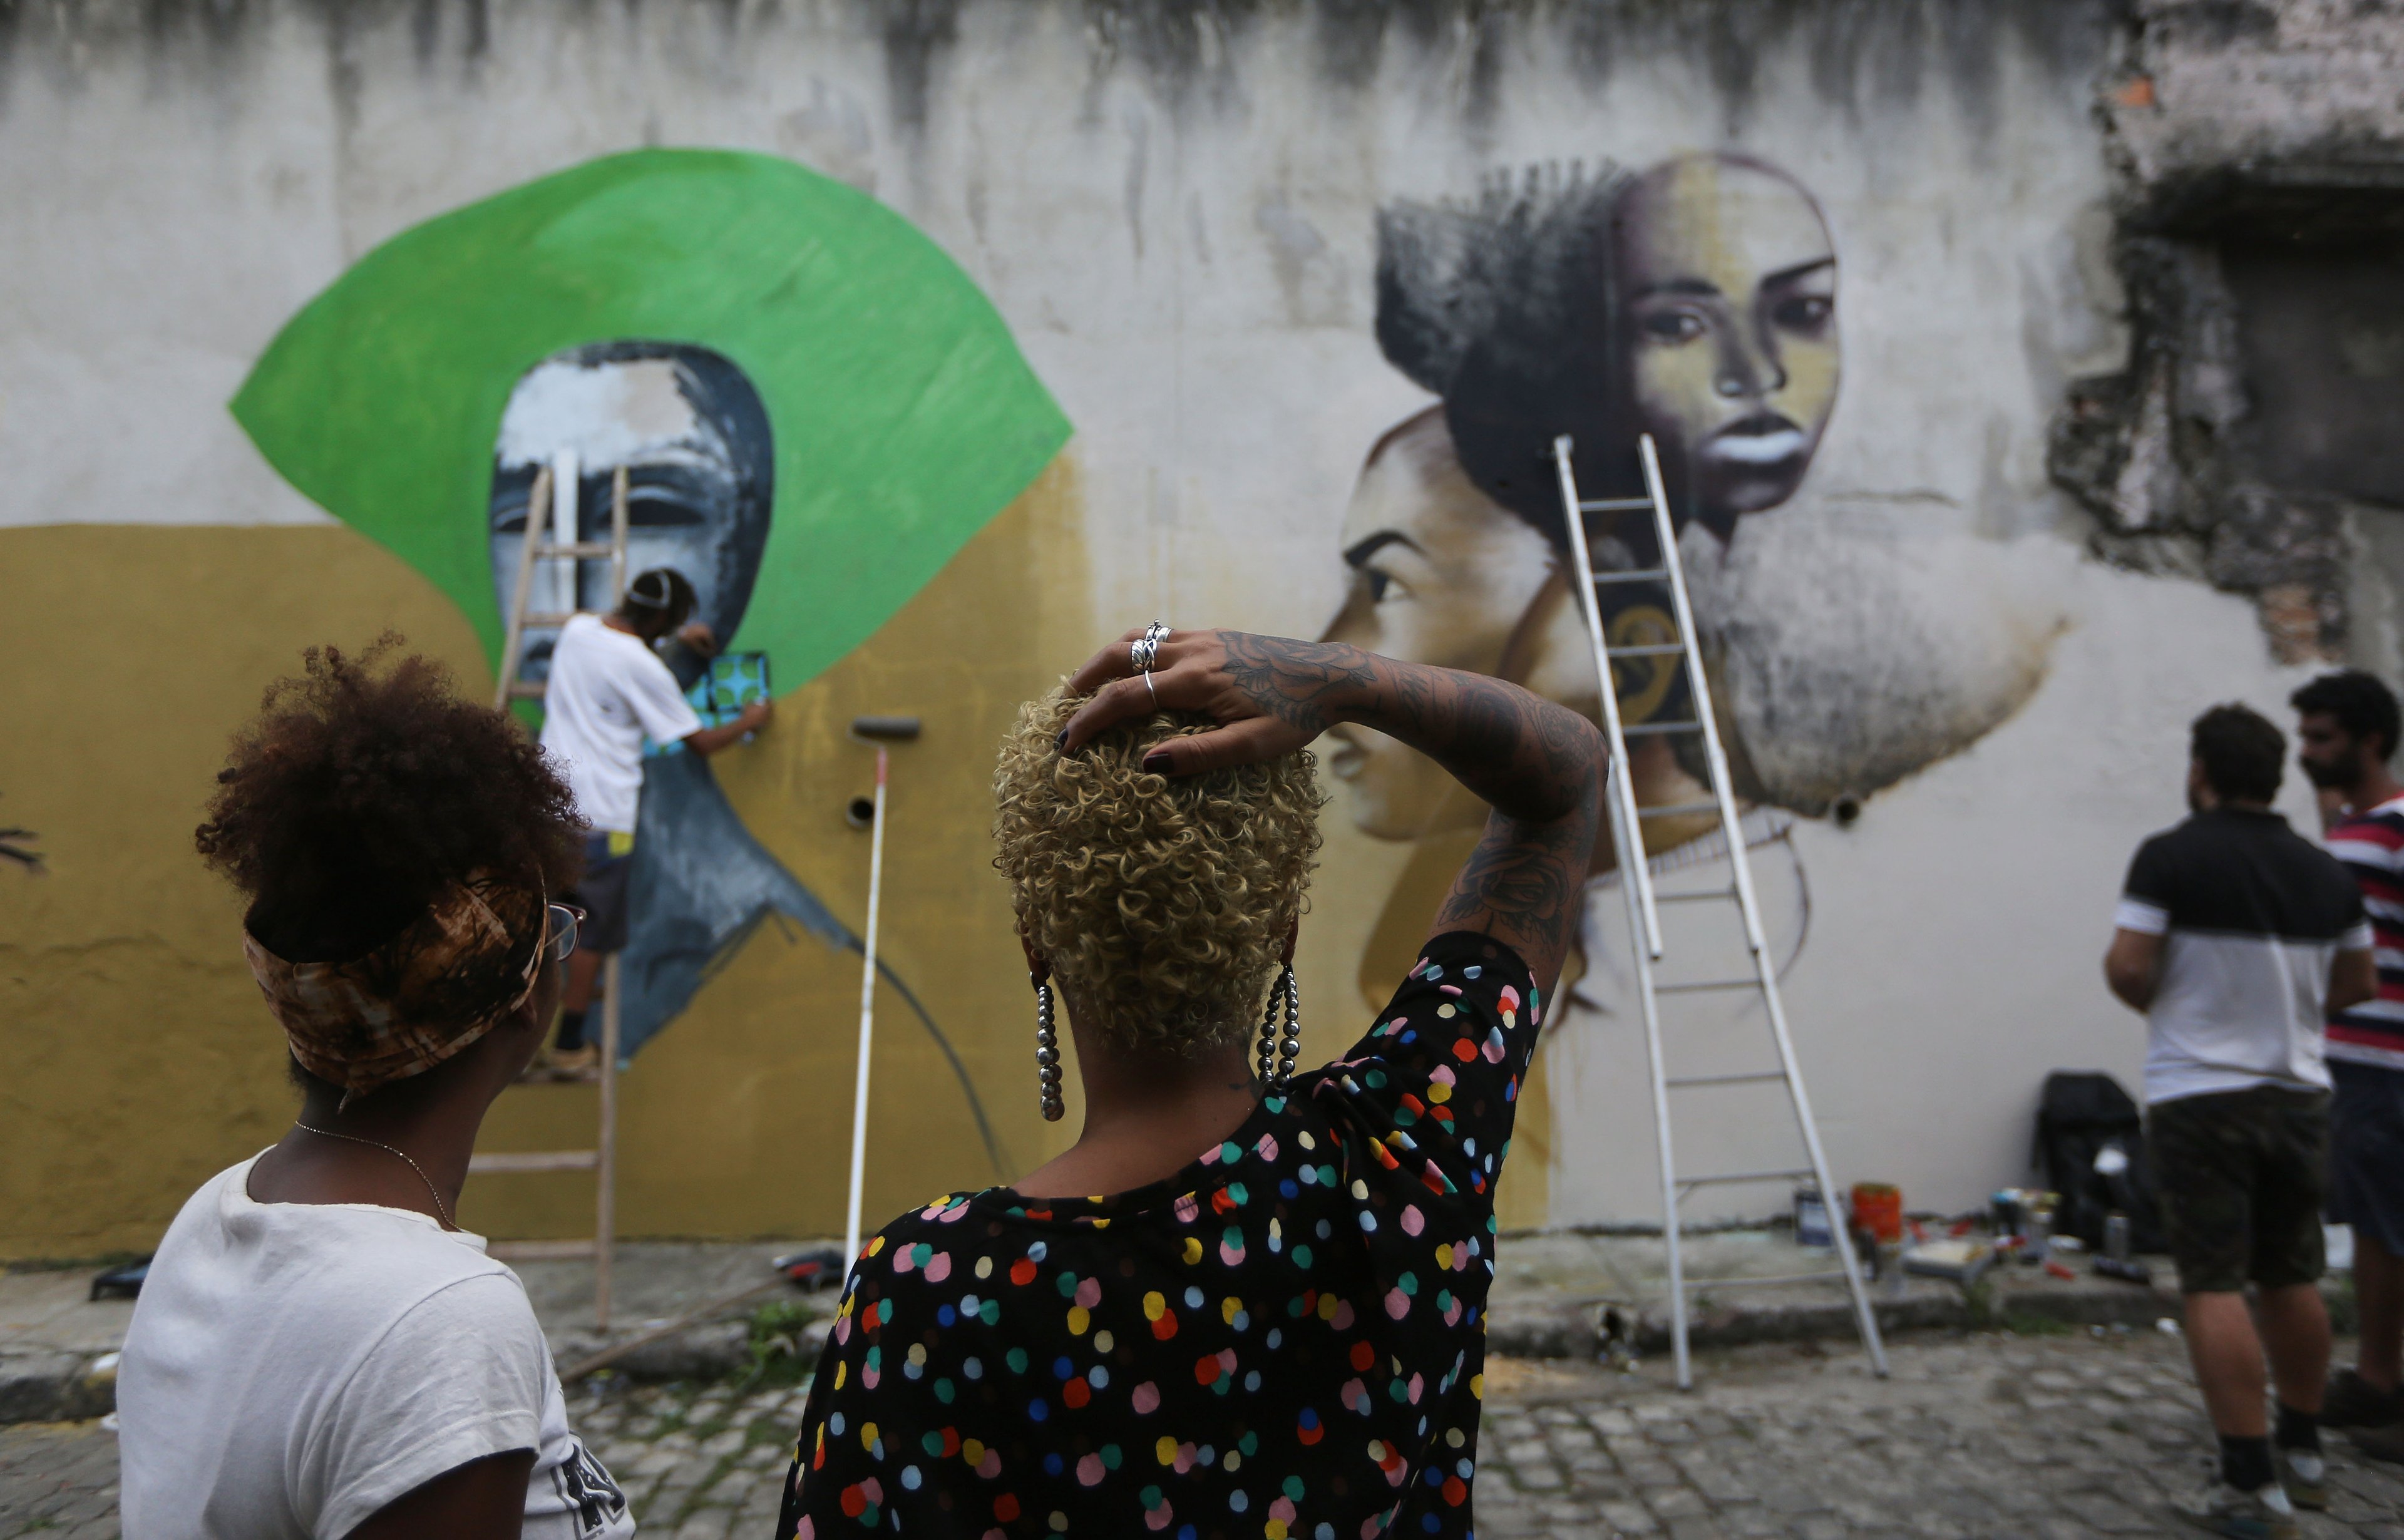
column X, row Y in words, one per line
column 2081, row 1116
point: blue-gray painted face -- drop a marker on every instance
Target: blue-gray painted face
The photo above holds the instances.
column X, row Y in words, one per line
column 694, row 441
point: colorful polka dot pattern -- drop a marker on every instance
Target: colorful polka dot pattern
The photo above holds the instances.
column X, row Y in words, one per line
column 1286, row 1339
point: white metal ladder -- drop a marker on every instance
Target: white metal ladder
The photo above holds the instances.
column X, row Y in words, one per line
column 556, row 485
column 1643, row 916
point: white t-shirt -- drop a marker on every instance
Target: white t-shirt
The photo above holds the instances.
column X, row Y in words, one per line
column 294, row 1367
column 608, row 690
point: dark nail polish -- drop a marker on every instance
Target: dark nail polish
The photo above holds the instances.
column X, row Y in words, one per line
column 1157, row 762
column 1061, row 742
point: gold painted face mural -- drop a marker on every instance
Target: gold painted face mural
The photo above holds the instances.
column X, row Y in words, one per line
column 1726, row 321
column 1442, row 574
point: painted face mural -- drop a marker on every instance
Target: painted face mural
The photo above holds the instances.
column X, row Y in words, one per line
column 694, row 440
column 1695, row 302
column 1727, row 322
column 1441, row 574
column 843, row 409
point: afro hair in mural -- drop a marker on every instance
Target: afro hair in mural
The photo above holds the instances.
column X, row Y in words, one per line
column 1694, row 302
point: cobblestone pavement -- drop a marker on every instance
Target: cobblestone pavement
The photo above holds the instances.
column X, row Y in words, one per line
column 58, row 1479
column 2049, row 1437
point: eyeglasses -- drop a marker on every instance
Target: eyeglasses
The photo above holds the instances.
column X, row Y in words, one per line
column 564, row 920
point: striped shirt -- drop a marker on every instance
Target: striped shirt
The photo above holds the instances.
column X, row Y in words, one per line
column 2371, row 846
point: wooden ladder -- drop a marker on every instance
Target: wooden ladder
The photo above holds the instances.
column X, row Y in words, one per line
column 556, row 484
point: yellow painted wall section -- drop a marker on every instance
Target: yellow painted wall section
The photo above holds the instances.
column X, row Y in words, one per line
column 141, row 1060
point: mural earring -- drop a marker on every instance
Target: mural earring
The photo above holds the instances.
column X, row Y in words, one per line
column 1275, row 1056
column 1047, row 1051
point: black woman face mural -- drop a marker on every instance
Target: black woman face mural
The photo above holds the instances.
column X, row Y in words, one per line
column 1696, row 300
column 814, row 407
column 1852, row 642
column 688, row 429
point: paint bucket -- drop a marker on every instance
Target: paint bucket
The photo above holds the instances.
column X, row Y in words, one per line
column 1812, row 1217
column 1877, row 1208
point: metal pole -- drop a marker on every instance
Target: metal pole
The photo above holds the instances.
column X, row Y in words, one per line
column 605, row 1221
column 867, row 1019
column 1764, row 966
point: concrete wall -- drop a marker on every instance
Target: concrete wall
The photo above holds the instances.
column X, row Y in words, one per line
column 1177, row 212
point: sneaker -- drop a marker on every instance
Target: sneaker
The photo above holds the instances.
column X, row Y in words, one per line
column 2263, row 1514
column 2353, row 1402
column 2303, row 1475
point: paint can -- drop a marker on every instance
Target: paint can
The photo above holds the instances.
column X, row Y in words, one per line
column 2115, row 1236
column 1877, row 1208
column 1812, row 1227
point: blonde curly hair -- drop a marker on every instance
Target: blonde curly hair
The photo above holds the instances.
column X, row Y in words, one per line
column 1162, row 903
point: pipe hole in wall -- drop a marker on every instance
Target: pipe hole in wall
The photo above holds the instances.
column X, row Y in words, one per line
column 859, row 812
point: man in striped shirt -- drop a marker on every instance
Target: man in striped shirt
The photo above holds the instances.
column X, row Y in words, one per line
column 2348, row 725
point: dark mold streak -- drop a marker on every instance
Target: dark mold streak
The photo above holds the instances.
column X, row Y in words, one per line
column 1857, row 53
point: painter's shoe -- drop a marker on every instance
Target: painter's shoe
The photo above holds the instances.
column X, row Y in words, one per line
column 2303, row 1475
column 2262, row 1514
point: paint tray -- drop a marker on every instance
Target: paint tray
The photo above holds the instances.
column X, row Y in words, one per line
column 1959, row 1261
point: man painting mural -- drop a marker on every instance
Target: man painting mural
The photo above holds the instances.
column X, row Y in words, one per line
column 688, row 430
column 2236, row 937
column 840, row 410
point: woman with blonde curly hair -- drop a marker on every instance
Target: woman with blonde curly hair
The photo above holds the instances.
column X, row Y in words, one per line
column 1250, row 1299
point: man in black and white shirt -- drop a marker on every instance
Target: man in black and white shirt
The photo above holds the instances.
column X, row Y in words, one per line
column 2237, row 937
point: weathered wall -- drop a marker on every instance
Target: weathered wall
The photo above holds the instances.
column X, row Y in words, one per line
column 1177, row 211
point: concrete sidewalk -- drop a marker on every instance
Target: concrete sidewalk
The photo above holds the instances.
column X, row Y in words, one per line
column 1562, row 1295
column 58, row 1346
column 1566, row 1294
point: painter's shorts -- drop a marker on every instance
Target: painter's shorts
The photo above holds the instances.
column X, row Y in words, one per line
column 601, row 892
column 2242, row 1174
column 2366, row 1152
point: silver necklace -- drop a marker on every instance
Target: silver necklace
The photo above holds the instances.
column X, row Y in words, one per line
column 439, row 1207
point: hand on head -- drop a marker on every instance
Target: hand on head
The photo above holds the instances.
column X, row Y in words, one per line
column 1270, row 696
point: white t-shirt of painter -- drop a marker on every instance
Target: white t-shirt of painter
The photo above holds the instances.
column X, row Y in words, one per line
column 609, row 690
column 294, row 1367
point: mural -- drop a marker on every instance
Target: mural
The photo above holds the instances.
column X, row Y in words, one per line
column 1695, row 301
column 688, row 427
column 814, row 409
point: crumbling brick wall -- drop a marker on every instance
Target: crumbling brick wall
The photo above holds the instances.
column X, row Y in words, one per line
column 2233, row 121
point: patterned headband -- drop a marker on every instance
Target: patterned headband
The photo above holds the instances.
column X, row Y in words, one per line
column 417, row 1000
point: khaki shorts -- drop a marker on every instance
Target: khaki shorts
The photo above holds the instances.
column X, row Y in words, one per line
column 2242, row 1175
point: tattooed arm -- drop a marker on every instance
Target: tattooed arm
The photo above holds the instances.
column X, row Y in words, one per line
column 1538, row 765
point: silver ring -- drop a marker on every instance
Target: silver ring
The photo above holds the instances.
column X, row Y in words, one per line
column 1145, row 650
column 1148, row 685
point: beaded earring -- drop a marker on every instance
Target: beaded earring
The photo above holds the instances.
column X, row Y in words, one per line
column 1277, row 1057
column 1047, row 1051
